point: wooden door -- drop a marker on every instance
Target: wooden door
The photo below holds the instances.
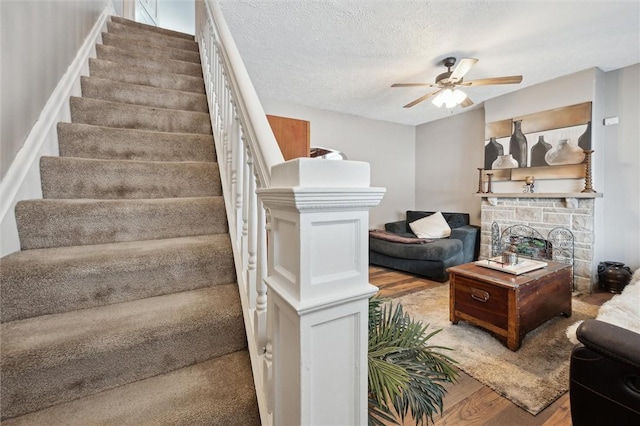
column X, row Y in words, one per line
column 292, row 136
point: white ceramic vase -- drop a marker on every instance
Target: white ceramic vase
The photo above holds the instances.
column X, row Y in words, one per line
column 564, row 153
column 504, row 162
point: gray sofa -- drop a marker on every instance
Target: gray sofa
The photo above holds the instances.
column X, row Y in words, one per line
column 430, row 259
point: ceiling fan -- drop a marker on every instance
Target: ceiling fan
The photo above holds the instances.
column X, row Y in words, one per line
column 448, row 83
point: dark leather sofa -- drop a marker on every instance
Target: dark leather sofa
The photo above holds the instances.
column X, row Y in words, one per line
column 432, row 259
column 604, row 376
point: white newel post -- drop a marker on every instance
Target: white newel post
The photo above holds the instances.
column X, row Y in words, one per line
column 318, row 290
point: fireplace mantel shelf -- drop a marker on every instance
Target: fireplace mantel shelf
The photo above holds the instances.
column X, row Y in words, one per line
column 539, row 195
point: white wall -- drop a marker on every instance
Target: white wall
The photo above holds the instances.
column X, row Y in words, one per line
column 621, row 153
column 38, row 41
column 177, row 15
column 448, row 153
column 36, row 86
column 119, row 7
column 389, row 148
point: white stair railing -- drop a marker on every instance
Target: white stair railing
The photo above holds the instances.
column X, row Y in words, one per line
column 300, row 243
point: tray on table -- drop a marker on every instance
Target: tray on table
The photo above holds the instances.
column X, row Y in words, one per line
column 523, row 265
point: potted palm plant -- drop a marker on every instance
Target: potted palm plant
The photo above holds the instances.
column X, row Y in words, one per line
column 406, row 374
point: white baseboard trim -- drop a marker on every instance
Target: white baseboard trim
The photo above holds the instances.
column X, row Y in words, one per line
column 22, row 180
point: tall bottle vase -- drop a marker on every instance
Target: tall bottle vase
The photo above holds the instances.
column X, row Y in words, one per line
column 538, row 151
column 492, row 151
column 518, row 144
column 584, row 141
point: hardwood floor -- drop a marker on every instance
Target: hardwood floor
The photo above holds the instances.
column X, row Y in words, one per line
column 468, row 402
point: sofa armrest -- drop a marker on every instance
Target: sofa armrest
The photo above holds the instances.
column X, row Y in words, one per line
column 611, row 341
column 469, row 235
column 400, row 227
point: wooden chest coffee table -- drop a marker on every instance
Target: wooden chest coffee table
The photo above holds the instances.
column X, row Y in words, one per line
column 509, row 305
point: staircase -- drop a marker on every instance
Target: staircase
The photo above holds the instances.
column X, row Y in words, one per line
column 122, row 306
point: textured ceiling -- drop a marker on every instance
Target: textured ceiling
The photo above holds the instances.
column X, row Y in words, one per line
column 343, row 55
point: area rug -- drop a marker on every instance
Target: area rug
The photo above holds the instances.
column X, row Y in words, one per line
column 532, row 378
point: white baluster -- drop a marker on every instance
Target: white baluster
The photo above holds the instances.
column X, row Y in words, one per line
column 240, row 161
column 215, row 64
column 260, row 314
column 232, row 138
column 224, row 99
column 245, row 205
column 252, row 240
column 218, row 85
column 234, row 168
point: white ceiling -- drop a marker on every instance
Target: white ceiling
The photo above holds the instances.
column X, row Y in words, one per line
column 343, row 55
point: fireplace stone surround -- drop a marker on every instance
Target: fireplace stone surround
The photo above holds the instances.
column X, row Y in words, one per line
column 543, row 212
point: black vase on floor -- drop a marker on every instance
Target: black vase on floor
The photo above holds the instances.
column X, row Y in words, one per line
column 518, row 144
column 538, row 151
column 491, row 152
column 613, row 276
column 584, row 141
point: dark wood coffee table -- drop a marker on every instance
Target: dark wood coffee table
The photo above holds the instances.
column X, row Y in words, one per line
column 507, row 305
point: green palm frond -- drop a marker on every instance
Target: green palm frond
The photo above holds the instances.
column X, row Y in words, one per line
column 404, row 370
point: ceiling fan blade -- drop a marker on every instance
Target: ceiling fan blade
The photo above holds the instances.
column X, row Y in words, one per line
column 463, row 67
column 513, row 79
column 466, row 103
column 413, row 85
column 422, row 98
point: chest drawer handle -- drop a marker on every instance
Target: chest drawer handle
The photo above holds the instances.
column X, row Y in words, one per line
column 479, row 295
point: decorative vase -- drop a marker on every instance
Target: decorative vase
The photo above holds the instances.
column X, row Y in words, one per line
column 564, row 153
column 504, row 162
column 518, row 144
column 491, row 152
column 613, row 276
column 538, row 151
column 584, row 141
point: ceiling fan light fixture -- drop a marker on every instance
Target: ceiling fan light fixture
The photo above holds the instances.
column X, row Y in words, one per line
column 459, row 96
column 447, row 83
column 443, row 97
column 449, row 98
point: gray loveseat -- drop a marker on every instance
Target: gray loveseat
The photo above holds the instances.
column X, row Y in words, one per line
column 432, row 258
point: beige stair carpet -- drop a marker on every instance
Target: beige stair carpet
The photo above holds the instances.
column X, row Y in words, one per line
column 122, row 306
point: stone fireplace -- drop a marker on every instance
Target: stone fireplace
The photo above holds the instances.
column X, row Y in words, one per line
column 544, row 212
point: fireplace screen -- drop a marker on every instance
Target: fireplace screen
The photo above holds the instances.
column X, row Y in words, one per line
column 527, row 242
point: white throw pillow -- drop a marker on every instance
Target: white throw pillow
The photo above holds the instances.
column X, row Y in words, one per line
column 434, row 226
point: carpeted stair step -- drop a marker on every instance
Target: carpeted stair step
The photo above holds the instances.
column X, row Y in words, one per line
column 63, row 223
column 123, row 305
column 215, row 392
column 116, row 114
column 107, row 143
column 161, row 40
column 151, row 29
column 146, row 49
column 135, row 94
column 54, row 280
column 121, row 56
column 56, row 358
column 69, row 177
column 136, row 75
